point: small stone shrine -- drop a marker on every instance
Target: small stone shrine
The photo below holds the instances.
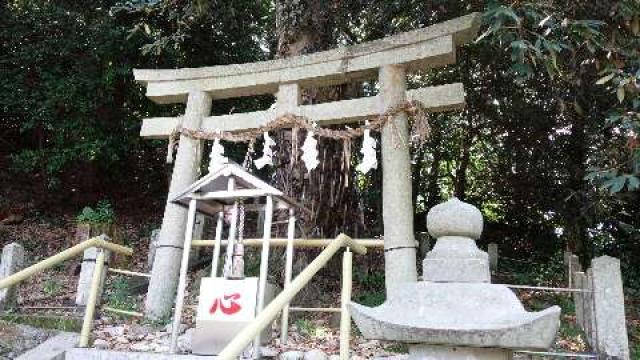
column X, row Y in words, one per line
column 456, row 313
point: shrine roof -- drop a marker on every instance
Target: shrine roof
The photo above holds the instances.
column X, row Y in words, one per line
column 213, row 193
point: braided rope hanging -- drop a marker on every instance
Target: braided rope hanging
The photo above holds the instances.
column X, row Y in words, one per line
column 414, row 109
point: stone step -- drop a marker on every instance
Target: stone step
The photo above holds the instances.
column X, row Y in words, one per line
column 96, row 354
column 52, row 349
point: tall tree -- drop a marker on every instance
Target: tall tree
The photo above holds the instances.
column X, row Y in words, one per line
column 303, row 27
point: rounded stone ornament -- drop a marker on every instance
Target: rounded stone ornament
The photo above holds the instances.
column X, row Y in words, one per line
column 455, row 218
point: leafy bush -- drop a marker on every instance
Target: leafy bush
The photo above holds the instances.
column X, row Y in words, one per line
column 52, row 288
column 119, row 295
column 102, row 214
column 371, row 298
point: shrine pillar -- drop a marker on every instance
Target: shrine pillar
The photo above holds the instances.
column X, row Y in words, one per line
column 397, row 209
column 166, row 264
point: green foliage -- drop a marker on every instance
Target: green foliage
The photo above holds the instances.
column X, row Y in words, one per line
column 306, row 327
column 51, row 287
column 634, row 334
column 119, row 295
column 399, row 348
column 371, row 287
column 64, row 83
column 370, row 298
column 552, row 37
column 102, row 214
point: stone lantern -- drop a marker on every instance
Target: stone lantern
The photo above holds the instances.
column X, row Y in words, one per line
column 456, row 313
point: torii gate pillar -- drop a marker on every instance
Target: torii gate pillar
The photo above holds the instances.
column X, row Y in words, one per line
column 397, row 210
column 166, row 263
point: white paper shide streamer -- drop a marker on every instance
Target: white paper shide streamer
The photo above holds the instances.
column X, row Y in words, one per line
column 217, row 158
column 368, row 151
column 310, row 152
column 267, row 152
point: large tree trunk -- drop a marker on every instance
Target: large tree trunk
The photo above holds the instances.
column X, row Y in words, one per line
column 460, row 187
column 304, row 27
column 576, row 225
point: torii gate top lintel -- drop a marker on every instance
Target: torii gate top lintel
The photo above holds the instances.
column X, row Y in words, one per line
column 419, row 49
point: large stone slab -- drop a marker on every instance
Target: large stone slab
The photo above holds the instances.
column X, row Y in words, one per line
column 95, row 354
column 52, row 349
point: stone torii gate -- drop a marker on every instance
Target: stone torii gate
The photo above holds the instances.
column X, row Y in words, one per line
column 388, row 59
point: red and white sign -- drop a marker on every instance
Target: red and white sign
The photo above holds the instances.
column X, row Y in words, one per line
column 227, row 300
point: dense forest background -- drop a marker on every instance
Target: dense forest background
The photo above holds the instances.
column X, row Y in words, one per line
column 547, row 146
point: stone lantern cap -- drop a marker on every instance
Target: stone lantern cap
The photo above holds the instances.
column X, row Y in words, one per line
column 455, row 218
column 457, row 314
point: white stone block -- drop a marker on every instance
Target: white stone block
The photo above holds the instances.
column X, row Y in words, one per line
column 492, row 250
column 86, row 274
column 153, row 244
column 580, row 283
column 608, row 296
column 12, row 261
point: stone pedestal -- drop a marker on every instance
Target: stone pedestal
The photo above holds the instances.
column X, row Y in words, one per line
column 435, row 352
column 456, row 259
